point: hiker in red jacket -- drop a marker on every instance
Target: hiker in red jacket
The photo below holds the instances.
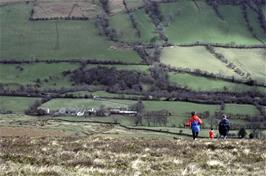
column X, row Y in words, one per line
column 194, row 122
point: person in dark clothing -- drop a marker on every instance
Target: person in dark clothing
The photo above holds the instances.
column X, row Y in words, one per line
column 195, row 123
column 224, row 127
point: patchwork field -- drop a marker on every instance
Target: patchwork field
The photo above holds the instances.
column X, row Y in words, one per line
column 195, row 58
column 252, row 61
column 199, row 83
column 46, row 40
column 200, row 23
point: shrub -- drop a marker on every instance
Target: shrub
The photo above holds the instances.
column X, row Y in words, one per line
column 242, row 133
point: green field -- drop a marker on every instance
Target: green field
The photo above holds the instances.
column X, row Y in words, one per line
column 252, row 61
column 123, row 26
column 16, row 104
column 194, row 58
column 241, row 109
column 146, row 27
column 13, row 74
column 191, row 24
column 23, row 39
column 199, row 83
column 121, row 22
column 90, row 103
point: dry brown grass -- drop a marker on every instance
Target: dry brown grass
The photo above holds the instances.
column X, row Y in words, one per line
column 57, row 9
column 134, row 156
column 32, row 132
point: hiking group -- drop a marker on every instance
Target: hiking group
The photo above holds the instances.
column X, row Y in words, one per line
column 195, row 123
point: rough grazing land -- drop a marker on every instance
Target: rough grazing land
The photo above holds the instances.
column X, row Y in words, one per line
column 65, row 9
column 135, row 156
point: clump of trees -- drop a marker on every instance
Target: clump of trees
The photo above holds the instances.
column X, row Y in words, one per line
column 33, row 109
column 139, row 107
column 116, row 80
column 160, row 76
column 105, row 5
column 242, row 133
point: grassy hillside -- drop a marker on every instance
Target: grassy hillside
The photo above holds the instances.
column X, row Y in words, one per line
column 126, row 156
column 200, row 23
column 23, row 39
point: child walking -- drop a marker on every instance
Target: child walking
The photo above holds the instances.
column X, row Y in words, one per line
column 211, row 134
